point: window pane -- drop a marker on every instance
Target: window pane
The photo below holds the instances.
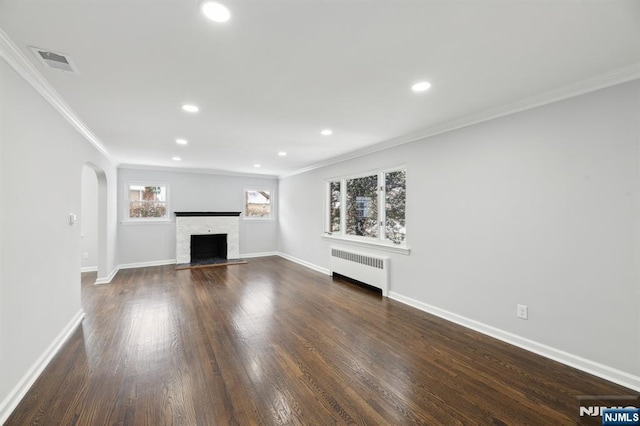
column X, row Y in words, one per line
column 151, row 193
column 147, row 209
column 362, row 206
column 334, row 208
column 147, row 201
column 395, row 196
column 257, row 203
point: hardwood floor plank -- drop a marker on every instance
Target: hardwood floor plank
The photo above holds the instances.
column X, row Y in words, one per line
column 272, row 342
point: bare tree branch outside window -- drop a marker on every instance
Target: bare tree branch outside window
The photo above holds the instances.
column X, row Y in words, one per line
column 362, row 206
column 395, row 198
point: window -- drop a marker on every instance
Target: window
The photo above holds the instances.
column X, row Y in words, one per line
column 334, row 206
column 395, row 194
column 147, row 202
column 257, row 204
column 362, row 206
column 370, row 206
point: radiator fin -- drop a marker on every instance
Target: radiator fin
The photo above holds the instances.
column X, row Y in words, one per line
column 374, row 262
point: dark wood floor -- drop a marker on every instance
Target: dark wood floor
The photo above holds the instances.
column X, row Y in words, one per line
column 272, row 342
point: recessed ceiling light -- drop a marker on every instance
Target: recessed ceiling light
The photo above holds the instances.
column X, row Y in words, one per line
column 181, row 141
column 326, row 132
column 282, row 153
column 176, row 158
column 257, row 166
column 215, row 11
column 190, row 108
column 421, row 86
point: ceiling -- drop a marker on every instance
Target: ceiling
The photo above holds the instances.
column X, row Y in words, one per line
column 280, row 71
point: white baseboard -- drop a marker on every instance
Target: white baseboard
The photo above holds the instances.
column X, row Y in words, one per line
column 146, row 264
column 89, row 269
column 18, row 392
column 305, row 263
column 107, row 279
column 263, row 254
column 600, row 370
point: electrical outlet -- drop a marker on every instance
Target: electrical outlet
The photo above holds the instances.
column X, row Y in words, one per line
column 85, row 255
column 522, row 311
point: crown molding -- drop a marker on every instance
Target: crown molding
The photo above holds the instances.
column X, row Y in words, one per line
column 19, row 62
column 195, row 171
column 601, row 81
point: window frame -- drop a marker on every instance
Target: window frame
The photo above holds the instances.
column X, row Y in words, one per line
column 127, row 203
column 381, row 241
column 272, row 204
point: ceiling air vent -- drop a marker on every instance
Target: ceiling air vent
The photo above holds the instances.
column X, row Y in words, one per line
column 54, row 60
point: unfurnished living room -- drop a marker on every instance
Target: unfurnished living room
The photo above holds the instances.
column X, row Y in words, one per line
column 379, row 212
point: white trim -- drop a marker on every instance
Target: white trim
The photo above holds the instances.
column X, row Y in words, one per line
column 257, row 219
column 19, row 62
column 148, row 221
column 89, row 269
column 600, row 370
column 372, row 244
column 108, row 278
column 611, row 78
column 305, row 263
column 18, row 392
column 263, row 254
column 147, row 264
column 197, row 171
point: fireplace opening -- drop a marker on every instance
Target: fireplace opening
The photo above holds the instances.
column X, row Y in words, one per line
column 208, row 248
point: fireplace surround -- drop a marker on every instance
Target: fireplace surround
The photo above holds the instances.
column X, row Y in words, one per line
column 190, row 224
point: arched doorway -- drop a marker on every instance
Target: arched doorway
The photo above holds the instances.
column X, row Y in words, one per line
column 94, row 219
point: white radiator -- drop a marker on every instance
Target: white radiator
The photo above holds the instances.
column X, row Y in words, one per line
column 372, row 270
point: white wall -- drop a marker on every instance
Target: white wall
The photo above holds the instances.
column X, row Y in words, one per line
column 148, row 243
column 41, row 162
column 89, row 219
column 538, row 208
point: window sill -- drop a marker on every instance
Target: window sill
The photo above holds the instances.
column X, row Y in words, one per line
column 258, row 219
column 146, row 222
column 390, row 247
